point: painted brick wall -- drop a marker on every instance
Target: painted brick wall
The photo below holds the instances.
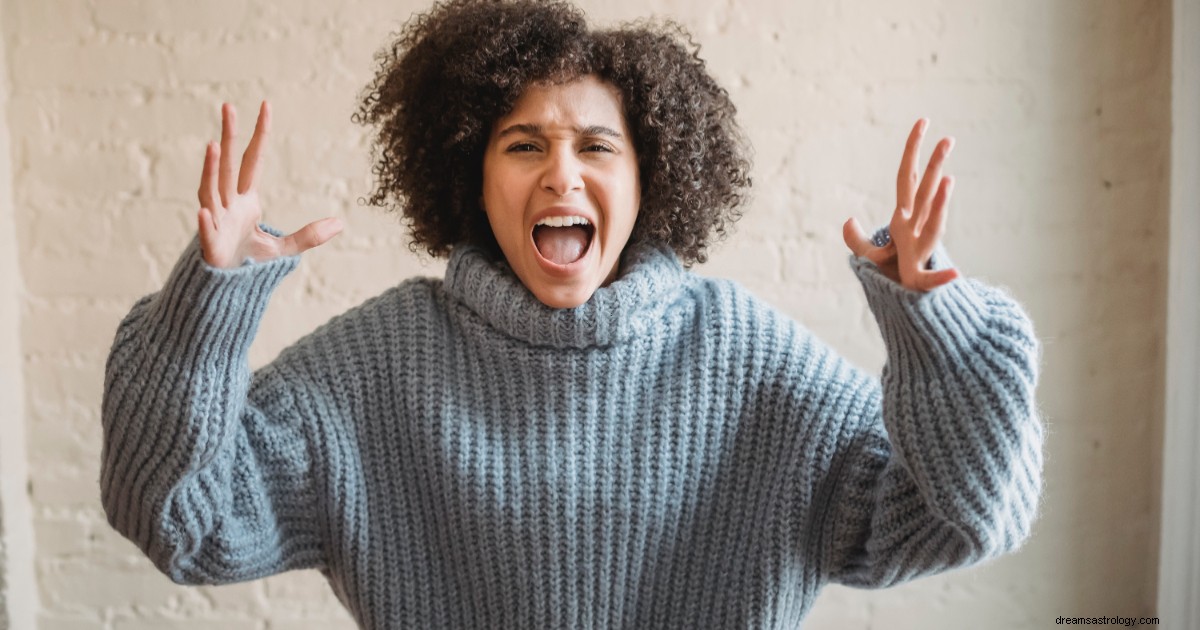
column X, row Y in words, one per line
column 1060, row 110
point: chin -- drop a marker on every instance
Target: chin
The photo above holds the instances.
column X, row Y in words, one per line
column 564, row 297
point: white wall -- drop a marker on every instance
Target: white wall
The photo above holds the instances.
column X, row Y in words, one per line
column 1179, row 571
column 18, row 592
column 1061, row 112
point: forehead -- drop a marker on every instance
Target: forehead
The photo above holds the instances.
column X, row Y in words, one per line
column 584, row 101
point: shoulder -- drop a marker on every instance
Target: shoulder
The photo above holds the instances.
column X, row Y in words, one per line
column 408, row 302
column 737, row 308
column 379, row 323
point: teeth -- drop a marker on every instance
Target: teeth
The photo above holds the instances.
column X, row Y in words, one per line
column 563, row 221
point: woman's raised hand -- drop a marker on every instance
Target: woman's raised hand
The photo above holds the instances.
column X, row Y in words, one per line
column 917, row 224
column 230, row 210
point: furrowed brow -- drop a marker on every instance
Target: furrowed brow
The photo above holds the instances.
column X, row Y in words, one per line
column 533, row 129
column 528, row 129
column 600, row 130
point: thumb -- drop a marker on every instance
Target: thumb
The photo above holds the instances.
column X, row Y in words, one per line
column 855, row 238
column 310, row 236
column 935, row 279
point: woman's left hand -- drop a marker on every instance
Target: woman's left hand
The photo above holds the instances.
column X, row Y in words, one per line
column 917, row 224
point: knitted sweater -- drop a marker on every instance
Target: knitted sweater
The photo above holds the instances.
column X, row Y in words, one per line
column 674, row 453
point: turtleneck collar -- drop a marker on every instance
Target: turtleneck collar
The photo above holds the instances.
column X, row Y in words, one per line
column 650, row 279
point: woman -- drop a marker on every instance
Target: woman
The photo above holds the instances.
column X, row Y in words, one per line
column 570, row 429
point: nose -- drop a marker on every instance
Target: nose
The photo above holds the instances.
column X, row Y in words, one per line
column 563, row 172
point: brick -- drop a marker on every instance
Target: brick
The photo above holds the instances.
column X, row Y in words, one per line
column 158, row 622
column 110, row 545
column 88, row 67
column 168, row 17
column 65, row 491
column 169, row 225
column 97, row 586
column 311, row 160
column 56, row 445
column 177, row 166
column 58, row 381
column 125, row 116
column 278, row 61
column 61, row 537
column 128, row 272
column 1001, row 103
column 40, row 229
column 52, row 620
column 99, row 170
column 239, row 600
column 344, row 622
column 52, row 327
column 304, row 596
column 47, row 20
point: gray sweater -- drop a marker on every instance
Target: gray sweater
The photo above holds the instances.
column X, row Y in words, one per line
column 675, row 453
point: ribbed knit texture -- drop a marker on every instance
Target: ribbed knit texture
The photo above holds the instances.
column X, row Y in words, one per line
column 674, row 453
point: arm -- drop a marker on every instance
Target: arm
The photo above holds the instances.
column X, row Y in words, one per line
column 943, row 468
column 211, row 473
column 208, row 471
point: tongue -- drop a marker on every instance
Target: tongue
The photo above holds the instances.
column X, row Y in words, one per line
column 562, row 245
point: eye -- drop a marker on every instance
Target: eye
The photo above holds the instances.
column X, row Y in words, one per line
column 598, row 147
column 522, row 147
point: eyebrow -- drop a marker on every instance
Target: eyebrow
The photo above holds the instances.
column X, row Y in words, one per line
column 534, row 129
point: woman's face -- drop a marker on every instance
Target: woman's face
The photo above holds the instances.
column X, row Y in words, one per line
column 562, row 156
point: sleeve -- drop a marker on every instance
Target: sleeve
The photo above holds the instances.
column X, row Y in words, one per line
column 210, row 472
column 943, row 469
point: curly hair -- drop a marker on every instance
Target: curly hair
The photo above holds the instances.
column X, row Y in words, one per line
column 452, row 72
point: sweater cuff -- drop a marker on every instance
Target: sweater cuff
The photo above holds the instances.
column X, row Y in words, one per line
column 944, row 320
column 959, row 396
column 220, row 308
column 938, row 260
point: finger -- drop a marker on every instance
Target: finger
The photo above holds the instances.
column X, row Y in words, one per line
column 933, row 279
column 228, row 134
column 882, row 255
column 855, row 238
column 251, row 159
column 862, row 245
column 906, row 179
column 932, row 179
column 935, row 224
column 208, row 185
column 208, row 232
column 310, row 236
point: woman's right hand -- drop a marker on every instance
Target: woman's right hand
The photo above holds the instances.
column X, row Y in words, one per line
column 230, row 210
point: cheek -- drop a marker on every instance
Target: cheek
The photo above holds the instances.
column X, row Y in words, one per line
column 504, row 191
column 497, row 199
column 633, row 196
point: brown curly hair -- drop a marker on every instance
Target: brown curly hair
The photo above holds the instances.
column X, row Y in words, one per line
column 452, row 72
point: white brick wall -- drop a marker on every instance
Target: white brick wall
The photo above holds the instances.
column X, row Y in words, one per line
column 18, row 595
column 1060, row 110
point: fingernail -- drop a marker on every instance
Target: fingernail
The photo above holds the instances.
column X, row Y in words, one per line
column 924, row 124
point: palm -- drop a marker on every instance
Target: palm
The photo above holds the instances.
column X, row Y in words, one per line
column 230, row 211
column 918, row 221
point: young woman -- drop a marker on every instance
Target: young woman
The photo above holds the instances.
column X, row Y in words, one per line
column 570, row 429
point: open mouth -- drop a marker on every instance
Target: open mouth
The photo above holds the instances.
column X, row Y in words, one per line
column 563, row 244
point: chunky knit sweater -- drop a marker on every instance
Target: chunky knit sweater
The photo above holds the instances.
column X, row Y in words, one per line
column 674, row 453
